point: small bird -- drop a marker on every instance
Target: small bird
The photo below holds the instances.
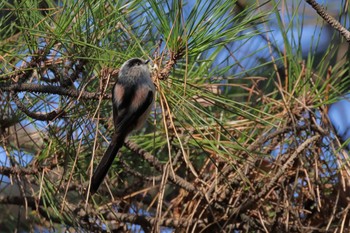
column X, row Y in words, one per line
column 133, row 97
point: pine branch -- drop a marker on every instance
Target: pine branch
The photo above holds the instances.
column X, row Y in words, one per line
column 49, row 89
column 329, row 19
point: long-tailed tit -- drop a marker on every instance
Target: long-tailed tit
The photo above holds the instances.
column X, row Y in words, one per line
column 133, row 96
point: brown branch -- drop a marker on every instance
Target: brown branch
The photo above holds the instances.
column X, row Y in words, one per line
column 174, row 56
column 36, row 58
column 91, row 214
column 68, row 80
column 17, row 200
column 34, row 204
column 288, row 162
column 135, row 173
column 38, row 116
column 329, row 19
column 263, row 139
column 7, row 171
column 26, row 171
column 156, row 164
column 137, row 219
column 49, row 89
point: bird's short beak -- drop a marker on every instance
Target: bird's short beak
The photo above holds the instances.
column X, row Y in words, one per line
column 146, row 62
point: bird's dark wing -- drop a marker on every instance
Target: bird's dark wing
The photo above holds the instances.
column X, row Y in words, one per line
column 131, row 113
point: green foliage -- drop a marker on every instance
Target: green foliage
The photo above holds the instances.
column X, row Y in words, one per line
column 225, row 86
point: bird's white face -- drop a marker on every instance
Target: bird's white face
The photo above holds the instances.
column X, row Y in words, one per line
column 134, row 67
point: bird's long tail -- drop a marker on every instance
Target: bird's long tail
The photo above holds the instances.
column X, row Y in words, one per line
column 106, row 162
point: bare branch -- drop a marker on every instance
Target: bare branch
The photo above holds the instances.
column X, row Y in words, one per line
column 7, row 171
column 49, row 89
column 329, row 19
